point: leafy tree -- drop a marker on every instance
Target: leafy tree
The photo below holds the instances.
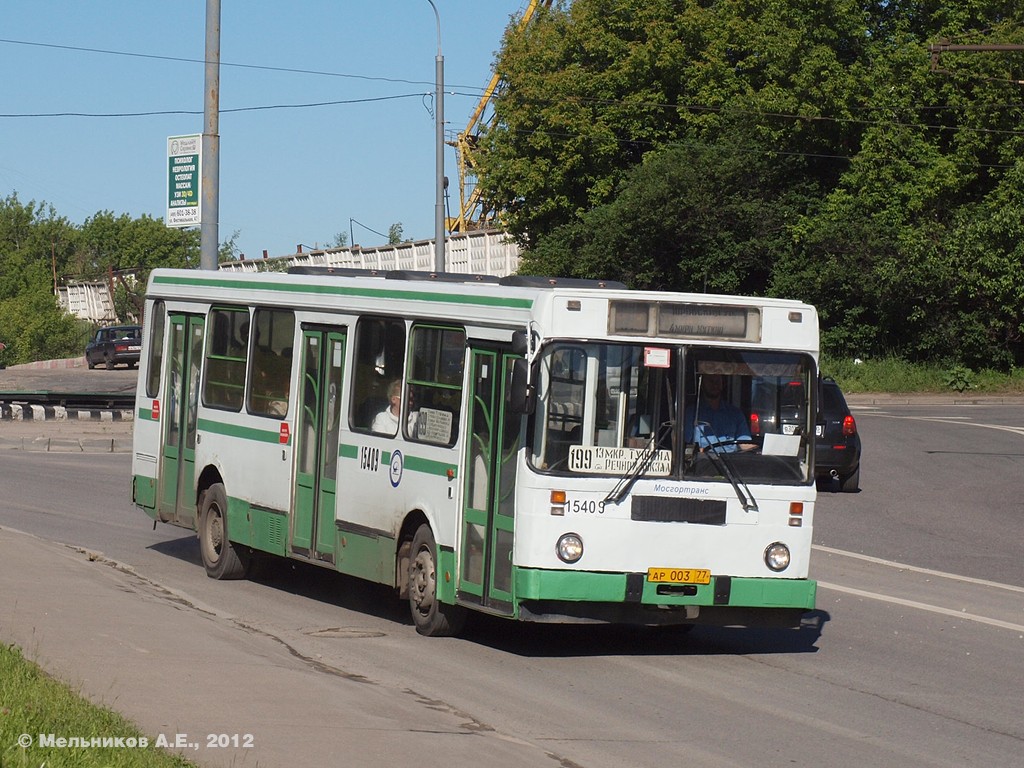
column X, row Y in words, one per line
column 39, row 248
column 34, row 243
column 691, row 218
column 228, row 249
column 123, row 243
column 786, row 147
column 35, row 328
column 588, row 91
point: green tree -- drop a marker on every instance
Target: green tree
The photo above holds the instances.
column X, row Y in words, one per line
column 688, row 218
column 122, row 243
column 33, row 327
column 40, row 249
column 34, row 244
column 912, row 251
column 786, row 147
column 228, row 249
column 589, row 90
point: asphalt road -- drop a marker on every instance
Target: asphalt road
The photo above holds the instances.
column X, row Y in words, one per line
column 66, row 377
column 912, row 660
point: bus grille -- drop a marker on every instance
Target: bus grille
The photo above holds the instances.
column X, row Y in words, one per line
column 660, row 509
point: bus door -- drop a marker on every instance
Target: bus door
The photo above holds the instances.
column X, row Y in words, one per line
column 181, row 389
column 316, row 443
column 488, row 518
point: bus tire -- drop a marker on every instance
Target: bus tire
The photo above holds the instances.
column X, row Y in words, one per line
column 220, row 557
column 431, row 617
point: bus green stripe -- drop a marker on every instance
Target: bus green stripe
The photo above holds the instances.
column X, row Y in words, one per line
column 337, row 290
column 535, row 584
column 428, row 466
column 411, row 463
column 246, row 433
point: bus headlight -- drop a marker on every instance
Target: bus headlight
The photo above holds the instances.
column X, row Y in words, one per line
column 776, row 556
column 569, row 547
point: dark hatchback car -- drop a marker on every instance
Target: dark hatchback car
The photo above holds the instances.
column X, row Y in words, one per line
column 837, row 442
column 114, row 345
column 780, row 409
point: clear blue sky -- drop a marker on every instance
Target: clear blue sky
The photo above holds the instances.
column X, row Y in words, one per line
column 287, row 175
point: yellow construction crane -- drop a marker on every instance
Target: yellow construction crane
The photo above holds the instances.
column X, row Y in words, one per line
column 473, row 212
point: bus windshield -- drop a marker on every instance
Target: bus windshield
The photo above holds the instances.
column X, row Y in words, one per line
column 687, row 412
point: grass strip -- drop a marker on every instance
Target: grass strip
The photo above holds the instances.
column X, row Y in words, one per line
column 44, row 722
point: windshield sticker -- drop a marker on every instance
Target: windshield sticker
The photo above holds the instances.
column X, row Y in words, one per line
column 657, row 357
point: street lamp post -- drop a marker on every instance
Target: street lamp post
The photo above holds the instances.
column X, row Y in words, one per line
column 439, row 249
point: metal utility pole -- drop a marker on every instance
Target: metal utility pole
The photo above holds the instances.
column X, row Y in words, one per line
column 208, row 227
column 439, row 249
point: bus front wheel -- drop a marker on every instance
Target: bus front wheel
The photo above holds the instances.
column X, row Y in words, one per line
column 220, row 556
column 431, row 617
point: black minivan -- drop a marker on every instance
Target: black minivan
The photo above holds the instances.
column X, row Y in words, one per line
column 837, row 442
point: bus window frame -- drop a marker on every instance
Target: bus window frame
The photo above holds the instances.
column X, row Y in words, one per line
column 155, row 359
column 282, row 395
column 209, row 356
column 446, row 394
column 364, row 390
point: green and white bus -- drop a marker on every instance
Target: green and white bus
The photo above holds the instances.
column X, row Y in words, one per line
column 527, row 447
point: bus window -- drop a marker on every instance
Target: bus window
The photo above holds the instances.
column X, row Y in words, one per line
column 380, row 359
column 225, row 358
column 271, row 362
column 752, row 408
column 156, row 350
column 436, row 363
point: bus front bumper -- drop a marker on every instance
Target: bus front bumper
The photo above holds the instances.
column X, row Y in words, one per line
column 578, row 596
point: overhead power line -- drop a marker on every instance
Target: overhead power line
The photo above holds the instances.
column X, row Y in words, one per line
column 187, row 60
column 222, row 111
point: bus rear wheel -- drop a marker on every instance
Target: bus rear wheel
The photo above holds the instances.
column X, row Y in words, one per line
column 431, row 617
column 220, row 557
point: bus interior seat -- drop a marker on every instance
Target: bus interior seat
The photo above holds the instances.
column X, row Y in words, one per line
column 368, row 409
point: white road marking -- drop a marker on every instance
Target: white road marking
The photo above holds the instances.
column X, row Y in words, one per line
column 914, row 603
column 916, row 569
column 923, row 606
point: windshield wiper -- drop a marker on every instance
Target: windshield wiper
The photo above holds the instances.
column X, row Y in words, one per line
column 724, row 465
column 639, row 466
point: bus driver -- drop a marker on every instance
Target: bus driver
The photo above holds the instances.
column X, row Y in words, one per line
column 717, row 420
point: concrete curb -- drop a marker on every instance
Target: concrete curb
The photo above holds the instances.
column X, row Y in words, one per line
column 67, row 444
column 70, row 362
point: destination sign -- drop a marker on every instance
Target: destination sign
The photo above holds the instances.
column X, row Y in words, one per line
column 598, row 460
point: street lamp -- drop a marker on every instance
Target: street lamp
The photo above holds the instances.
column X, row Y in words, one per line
column 439, row 248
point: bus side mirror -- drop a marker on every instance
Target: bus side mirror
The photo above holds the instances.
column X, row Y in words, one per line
column 522, row 398
column 520, row 343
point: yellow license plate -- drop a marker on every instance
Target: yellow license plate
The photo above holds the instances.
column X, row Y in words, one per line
column 679, row 575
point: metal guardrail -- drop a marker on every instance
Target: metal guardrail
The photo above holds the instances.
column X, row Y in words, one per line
column 72, row 400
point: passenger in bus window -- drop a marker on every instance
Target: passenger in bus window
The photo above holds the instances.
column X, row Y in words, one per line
column 717, row 421
column 386, row 422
